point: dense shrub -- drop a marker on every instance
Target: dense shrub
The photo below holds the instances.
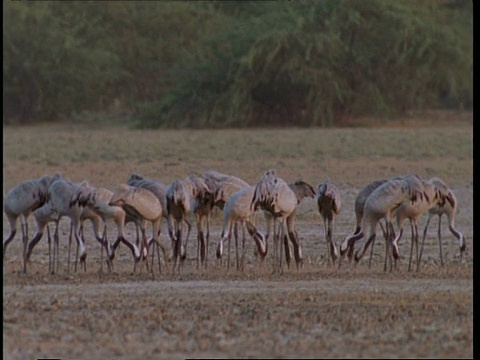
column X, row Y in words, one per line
column 235, row 64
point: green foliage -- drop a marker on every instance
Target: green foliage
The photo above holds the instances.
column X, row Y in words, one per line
column 53, row 61
column 235, row 63
column 367, row 58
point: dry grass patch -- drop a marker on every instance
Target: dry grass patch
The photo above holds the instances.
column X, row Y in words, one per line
column 315, row 312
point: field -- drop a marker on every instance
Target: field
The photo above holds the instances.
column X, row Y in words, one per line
column 318, row 311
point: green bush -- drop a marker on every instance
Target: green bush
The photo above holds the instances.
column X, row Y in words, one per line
column 235, row 64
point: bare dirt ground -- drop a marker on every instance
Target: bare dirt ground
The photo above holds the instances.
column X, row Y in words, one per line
column 318, row 311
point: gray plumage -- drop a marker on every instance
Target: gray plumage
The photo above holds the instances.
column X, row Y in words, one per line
column 60, row 194
column 381, row 204
column 98, row 199
column 185, row 196
column 301, row 189
column 49, row 214
column 222, row 186
column 427, row 197
column 21, row 201
column 157, row 187
column 274, row 195
column 448, row 207
column 144, row 206
column 360, row 201
column 237, row 210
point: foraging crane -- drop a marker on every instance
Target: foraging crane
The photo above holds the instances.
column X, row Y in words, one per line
column 274, row 195
column 360, row 201
column 97, row 223
column 427, row 198
column 97, row 199
column 329, row 203
column 222, row 186
column 449, row 208
column 154, row 185
column 49, row 214
column 60, row 193
column 381, row 204
column 185, row 196
column 43, row 216
column 144, row 206
column 21, row 201
column 159, row 189
column 237, row 209
column 301, row 190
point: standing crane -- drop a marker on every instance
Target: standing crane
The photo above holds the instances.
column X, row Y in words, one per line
column 329, row 203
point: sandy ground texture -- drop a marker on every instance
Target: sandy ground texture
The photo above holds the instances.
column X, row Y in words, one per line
column 318, row 311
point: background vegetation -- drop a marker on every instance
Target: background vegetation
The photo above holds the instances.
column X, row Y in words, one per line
column 234, row 64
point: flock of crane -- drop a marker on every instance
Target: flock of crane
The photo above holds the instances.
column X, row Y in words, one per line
column 148, row 201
